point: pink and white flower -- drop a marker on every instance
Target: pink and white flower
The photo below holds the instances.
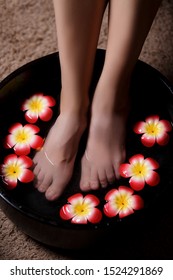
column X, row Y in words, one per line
column 81, row 209
column 153, row 131
column 38, row 106
column 122, row 202
column 140, row 171
column 23, row 138
column 16, row 168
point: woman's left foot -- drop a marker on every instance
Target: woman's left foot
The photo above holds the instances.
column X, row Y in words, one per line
column 105, row 149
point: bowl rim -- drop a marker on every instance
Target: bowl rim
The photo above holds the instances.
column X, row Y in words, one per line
column 9, row 200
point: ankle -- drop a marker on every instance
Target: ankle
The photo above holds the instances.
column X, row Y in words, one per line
column 109, row 100
column 76, row 102
column 77, row 120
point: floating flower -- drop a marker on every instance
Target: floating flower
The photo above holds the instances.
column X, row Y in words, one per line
column 16, row 168
column 140, row 170
column 23, row 138
column 153, row 130
column 81, row 209
column 38, row 106
column 122, row 201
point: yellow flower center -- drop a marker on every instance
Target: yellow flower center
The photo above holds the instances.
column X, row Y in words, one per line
column 81, row 209
column 139, row 169
column 152, row 129
column 12, row 171
column 121, row 201
column 36, row 105
column 22, row 136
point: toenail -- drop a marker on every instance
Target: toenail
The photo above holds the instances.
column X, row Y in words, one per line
column 104, row 185
column 86, row 186
column 49, row 196
column 41, row 189
column 111, row 181
column 94, row 185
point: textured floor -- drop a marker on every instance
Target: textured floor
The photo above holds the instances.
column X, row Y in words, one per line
column 27, row 31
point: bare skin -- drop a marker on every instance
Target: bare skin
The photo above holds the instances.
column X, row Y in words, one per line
column 78, row 27
column 57, row 163
column 129, row 23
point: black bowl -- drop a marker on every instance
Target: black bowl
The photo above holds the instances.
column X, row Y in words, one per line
column 151, row 94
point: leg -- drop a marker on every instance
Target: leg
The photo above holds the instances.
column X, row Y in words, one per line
column 129, row 23
column 78, row 25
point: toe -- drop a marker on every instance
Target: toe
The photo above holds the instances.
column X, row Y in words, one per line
column 39, row 179
column 45, row 184
column 116, row 169
column 36, row 158
column 85, row 176
column 85, row 185
column 102, row 177
column 110, row 174
column 52, row 193
column 36, row 170
column 94, row 179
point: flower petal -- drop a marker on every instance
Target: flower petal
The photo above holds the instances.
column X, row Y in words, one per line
column 9, row 141
column 25, row 161
column 91, row 199
column 31, row 118
column 110, row 210
column 78, row 197
column 11, row 184
column 153, row 118
column 22, row 149
column 66, row 212
column 50, row 100
column 46, row 115
column 14, row 127
column 36, row 142
column 135, row 158
column 152, row 178
column 151, row 163
column 26, row 176
column 167, row 125
column 137, row 183
column 126, row 212
column 125, row 170
column 139, row 127
column 111, row 194
column 148, row 140
column 10, row 158
column 34, row 128
column 163, row 139
column 79, row 220
column 125, row 190
column 136, row 202
column 95, row 216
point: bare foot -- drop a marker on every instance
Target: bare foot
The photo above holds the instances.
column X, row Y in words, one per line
column 105, row 149
column 54, row 163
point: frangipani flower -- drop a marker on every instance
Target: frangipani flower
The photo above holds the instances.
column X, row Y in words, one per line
column 16, row 168
column 140, row 170
column 81, row 209
column 122, row 201
column 153, row 130
column 37, row 106
column 23, row 138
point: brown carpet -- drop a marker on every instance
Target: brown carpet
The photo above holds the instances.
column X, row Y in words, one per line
column 27, row 30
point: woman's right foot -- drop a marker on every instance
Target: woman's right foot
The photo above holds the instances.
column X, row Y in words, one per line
column 54, row 163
